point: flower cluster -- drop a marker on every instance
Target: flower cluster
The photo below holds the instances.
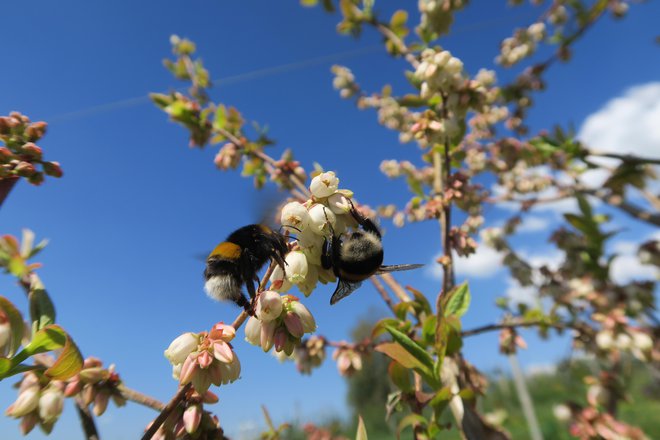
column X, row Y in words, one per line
column 310, row 354
column 39, row 401
column 349, row 359
column 344, row 81
column 281, row 321
column 204, row 358
column 313, row 222
column 521, row 45
column 189, row 420
column 96, row 385
column 21, row 157
column 437, row 15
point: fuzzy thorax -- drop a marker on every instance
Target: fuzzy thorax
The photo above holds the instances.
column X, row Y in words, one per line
column 223, row 288
column 362, row 245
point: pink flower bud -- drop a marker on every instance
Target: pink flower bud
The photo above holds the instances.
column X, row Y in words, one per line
column 204, row 359
column 25, row 169
column 88, row 394
column 223, row 352
column 192, row 416
column 28, row 423
column 188, row 370
column 32, row 151
column 36, row 130
column 281, row 338
column 53, row 169
column 93, row 375
column 100, row 403
column 210, row 397
column 294, row 324
column 223, row 332
column 308, row 321
column 72, row 388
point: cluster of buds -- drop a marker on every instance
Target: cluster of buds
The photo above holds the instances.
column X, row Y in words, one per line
column 310, row 354
column 328, row 211
column 391, row 114
column 589, row 423
column 521, row 45
column 510, row 341
column 189, row 420
column 438, row 72
column 40, row 401
column 636, row 341
column 285, row 168
column 344, row 81
column 204, row 358
column 281, row 321
column 97, row 385
column 437, row 15
column 349, row 359
column 21, row 157
column 228, row 157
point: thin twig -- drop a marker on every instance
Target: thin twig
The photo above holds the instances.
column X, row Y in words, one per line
column 165, row 413
column 6, row 185
column 383, row 293
column 395, row 286
column 86, row 420
column 142, row 399
column 515, row 324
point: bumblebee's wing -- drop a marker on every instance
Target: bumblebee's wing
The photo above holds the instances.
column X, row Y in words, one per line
column 397, row 268
column 344, row 288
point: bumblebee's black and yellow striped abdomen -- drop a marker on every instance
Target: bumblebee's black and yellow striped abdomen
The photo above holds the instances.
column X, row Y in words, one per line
column 238, row 259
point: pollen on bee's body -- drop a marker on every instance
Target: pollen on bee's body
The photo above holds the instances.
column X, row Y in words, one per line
column 227, row 250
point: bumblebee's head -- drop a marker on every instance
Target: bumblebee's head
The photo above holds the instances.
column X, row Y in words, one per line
column 277, row 241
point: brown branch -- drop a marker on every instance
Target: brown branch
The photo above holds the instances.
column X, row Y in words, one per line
column 6, row 185
column 165, row 413
column 139, row 398
column 86, row 420
column 383, row 293
column 627, row 207
column 395, row 286
column 624, row 157
column 503, row 325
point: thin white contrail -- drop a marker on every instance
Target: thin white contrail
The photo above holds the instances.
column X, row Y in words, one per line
column 268, row 71
column 220, row 82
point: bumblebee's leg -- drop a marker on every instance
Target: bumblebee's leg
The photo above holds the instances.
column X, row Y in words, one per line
column 251, row 305
column 326, row 254
column 365, row 222
column 243, row 302
column 280, row 261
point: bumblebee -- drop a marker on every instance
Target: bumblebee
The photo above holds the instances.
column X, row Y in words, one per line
column 357, row 257
column 237, row 261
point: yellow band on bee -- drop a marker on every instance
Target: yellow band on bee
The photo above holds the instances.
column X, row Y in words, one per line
column 230, row 251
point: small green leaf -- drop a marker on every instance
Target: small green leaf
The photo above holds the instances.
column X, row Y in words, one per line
column 411, row 347
column 16, row 326
column 220, row 117
column 409, row 421
column 400, row 376
column 458, row 301
column 42, row 310
column 396, row 352
column 361, row 430
column 68, row 364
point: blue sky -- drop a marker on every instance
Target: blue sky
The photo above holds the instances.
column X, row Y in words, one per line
column 136, row 205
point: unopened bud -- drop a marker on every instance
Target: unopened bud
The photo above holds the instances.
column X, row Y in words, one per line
column 53, row 169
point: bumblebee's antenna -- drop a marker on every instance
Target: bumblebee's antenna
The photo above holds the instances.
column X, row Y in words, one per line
column 288, row 226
